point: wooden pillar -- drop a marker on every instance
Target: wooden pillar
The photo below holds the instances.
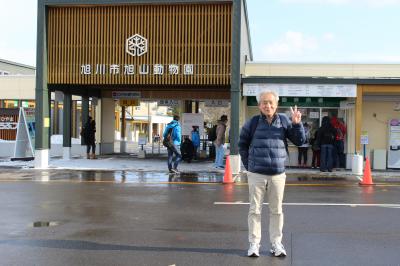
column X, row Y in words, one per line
column 359, row 103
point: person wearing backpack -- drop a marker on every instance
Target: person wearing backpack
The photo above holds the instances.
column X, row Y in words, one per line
column 263, row 149
column 219, row 142
column 326, row 138
column 88, row 133
column 172, row 133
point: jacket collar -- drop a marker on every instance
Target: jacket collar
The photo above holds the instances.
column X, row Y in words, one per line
column 264, row 117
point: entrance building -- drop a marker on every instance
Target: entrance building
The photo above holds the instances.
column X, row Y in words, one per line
column 137, row 50
column 193, row 51
column 366, row 97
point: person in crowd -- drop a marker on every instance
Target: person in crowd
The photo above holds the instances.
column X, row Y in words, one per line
column 341, row 130
column 174, row 154
column 326, row 138
column 89, row 133
column 303, row 149
column 262, row 147
column 187, row 150
column 315, row 147
column 219, row 142
column 195, row 137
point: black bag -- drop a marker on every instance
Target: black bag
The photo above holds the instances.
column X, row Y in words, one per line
column 187, row 149
column 167, row 141
column 83, row 132
column 328, row 136
column 212, row 134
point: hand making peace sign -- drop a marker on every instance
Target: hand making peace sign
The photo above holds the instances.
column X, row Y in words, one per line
column 295, row 114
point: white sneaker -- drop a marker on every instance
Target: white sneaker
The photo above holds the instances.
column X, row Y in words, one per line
column 278, row 250
column 254, row 250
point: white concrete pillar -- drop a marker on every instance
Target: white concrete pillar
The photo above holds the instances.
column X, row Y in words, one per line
column 107, row 126
column 235, row 164
column 41, row 159
column 66, row 153
column 150, row 132
column 122, row 145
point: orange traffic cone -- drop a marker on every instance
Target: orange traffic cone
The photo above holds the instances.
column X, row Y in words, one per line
column 228, row 172
column 367, row 178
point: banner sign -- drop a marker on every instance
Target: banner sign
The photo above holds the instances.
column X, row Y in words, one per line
column 303, row 90
column 129, row 102
column 8, row 123
column 168, row 102
column 216, row 103
column 189, row 120
column 126, row 94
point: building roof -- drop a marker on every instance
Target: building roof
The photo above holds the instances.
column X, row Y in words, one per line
column 323, row 70
column 16, row 64
column 113, row 2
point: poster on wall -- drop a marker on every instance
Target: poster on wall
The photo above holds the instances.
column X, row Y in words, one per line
column 8, row 123
column 394, row 144
column 189, row 120
column 30, row 122
column 25, row 140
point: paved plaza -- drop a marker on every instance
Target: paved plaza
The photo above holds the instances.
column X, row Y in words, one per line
column 72, row 217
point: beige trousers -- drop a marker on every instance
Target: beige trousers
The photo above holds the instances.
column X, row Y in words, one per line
column 275, row 186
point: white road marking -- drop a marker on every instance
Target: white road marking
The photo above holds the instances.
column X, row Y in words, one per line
column 317, row 204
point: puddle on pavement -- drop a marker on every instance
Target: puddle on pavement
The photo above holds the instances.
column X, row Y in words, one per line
column 320, row 178
column 134, row 176
column 45, row 223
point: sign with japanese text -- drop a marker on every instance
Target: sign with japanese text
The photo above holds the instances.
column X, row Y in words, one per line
column 303, row 90
column 129, row 102
column 168, row 102
column 216, row 103
column 126, row 94
column 144, row 69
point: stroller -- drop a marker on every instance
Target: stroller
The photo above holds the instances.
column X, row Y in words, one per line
column 187, row 149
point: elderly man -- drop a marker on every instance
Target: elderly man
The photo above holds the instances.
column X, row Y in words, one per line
column 263, row 148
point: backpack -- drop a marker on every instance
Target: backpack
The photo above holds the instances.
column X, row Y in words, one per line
column 83, row 132
column 212, row 134
column 328, row 136
column 167, row 141
column 254, row 124
column 339, row 134
column 314, row 142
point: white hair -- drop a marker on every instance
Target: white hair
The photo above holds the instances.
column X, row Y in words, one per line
column 260, row 93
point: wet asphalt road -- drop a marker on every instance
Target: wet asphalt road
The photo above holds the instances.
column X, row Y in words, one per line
column 141, row 218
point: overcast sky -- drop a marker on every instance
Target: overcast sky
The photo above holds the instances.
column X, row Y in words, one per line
column 347, row 31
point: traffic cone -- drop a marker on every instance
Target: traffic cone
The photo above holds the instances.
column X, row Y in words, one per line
column 228, row 172
column 367, row 178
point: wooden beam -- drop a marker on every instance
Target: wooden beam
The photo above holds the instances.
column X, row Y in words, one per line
column 381, row 89
column 359, row 103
